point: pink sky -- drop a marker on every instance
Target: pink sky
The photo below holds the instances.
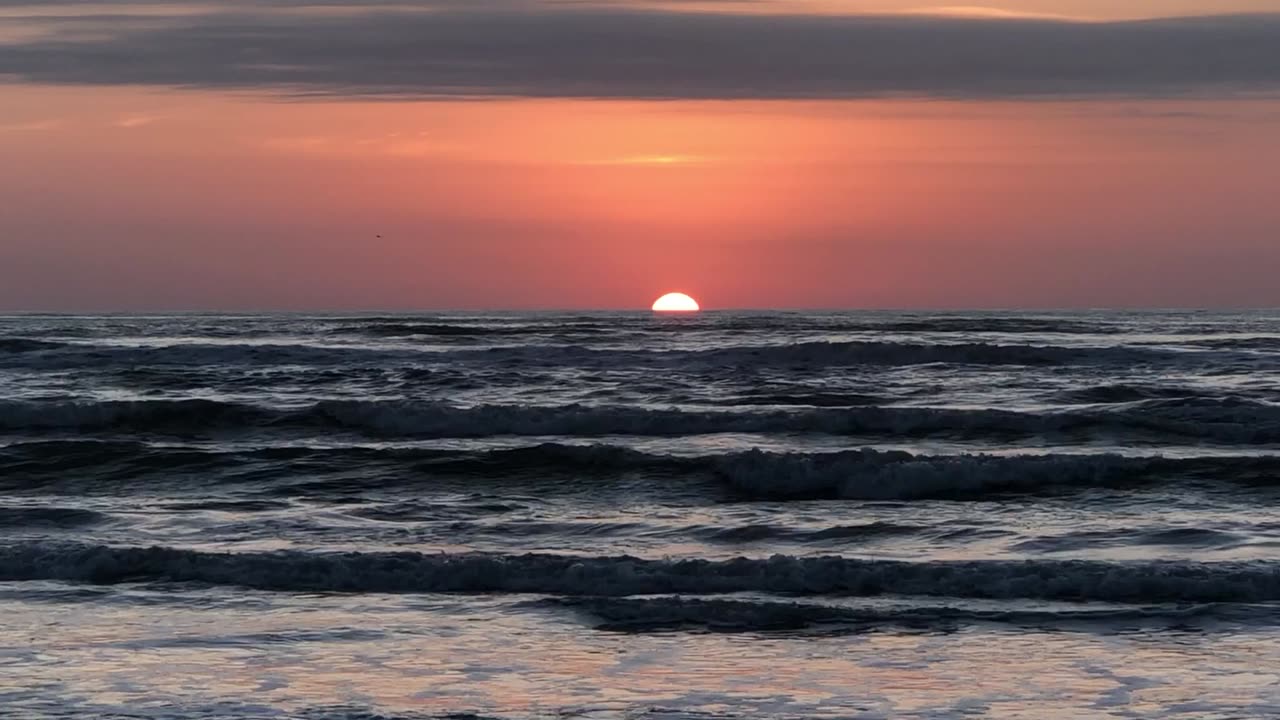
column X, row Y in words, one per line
column 131, row 194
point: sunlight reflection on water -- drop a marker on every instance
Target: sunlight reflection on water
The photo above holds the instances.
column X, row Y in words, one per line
column 159, row 650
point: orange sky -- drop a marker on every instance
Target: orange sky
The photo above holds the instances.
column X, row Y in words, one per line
column 130, row 198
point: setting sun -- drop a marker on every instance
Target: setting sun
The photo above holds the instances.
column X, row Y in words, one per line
column 675, row 302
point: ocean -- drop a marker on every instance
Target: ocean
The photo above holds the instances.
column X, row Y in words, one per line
column 621, row 515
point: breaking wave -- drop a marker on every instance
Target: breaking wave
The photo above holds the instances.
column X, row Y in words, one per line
column 865, row 474
column 297, row 571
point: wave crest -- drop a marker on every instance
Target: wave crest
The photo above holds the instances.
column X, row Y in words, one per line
column 806, row 354
column 158, row 415
column 641, row 615
column 295, row 571
column 877, row 475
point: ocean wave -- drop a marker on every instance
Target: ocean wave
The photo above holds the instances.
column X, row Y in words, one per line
column 15, row 345
column 158, row 415
column 1120, row 393
column 1192, row 537
column 403, row 329
column 864, row 324
column 56, row 330
column 221, row 505
column 109, row 466
column 65, row 356
column 253, row 640
column 878, row 475
column 766, row 532
column 849, row 353
column 411, row 572
column 640, row 615
column 69, row 454
column 48, row 517
column 1228, row 421
column 865, row 474
column 807, row 398
column 1237, row 343
column 1006, row 325
column 59, row 456
column 809, row 354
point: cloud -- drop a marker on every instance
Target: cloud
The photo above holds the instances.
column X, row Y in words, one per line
column 654, row 161
column 136, row 120
column 982, row 11
column 510, row 48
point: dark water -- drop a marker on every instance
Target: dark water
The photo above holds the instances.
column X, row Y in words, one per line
column 621, row 515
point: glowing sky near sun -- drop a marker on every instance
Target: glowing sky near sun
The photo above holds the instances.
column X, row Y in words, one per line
column 278, row 182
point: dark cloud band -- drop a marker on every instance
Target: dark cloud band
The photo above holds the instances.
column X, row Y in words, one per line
column 512, row 49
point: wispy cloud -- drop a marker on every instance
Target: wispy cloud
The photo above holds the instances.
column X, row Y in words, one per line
column 136, row 120
column 519, row 48
column 653, row 160
column 996, row 13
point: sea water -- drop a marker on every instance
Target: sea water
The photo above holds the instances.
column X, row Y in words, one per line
column 622, row 515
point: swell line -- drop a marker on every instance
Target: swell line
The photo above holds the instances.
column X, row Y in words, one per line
column 411, row 572
column 866, row 474
column 22, row 353
column 1228, row 421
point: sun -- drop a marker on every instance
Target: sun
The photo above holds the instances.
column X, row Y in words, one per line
column 675, row 302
